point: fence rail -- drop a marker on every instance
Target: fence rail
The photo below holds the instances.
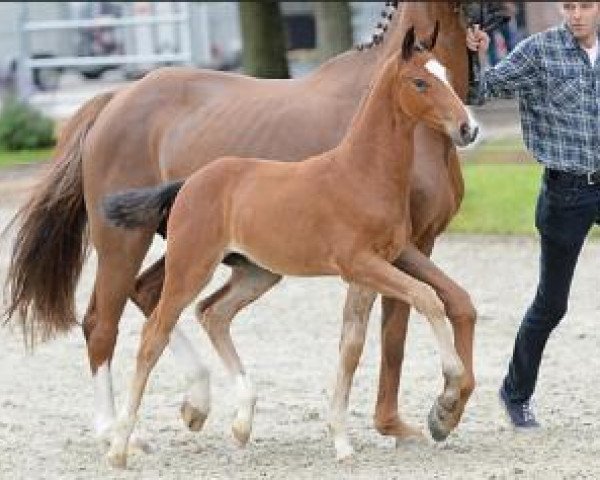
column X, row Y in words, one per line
column 180, row 21
column 57, row 62
column 33, row 26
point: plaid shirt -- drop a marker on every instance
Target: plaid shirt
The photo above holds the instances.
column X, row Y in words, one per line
column 559, row 98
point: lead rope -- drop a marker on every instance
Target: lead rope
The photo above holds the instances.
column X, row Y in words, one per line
column 473, row 95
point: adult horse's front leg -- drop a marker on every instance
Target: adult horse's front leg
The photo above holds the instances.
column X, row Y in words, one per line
column 462, row 315
column 373, row 272
column 247, row 283
column 394, row 325
column 357, row 308
column 196, row 403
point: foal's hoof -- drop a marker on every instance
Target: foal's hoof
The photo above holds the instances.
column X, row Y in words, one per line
column 241, row 432
column 117, row 459
column 192, row 416
column 137, row 444
column 439, row 432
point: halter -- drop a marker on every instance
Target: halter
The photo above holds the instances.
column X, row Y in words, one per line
column 487, row 17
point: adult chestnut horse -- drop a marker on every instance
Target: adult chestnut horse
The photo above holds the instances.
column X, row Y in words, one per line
column 176, row 120
column 345, row 212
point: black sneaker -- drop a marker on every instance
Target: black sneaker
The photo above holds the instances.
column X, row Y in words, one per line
column 520, row 413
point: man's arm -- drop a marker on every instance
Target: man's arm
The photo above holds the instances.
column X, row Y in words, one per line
column 518, row 72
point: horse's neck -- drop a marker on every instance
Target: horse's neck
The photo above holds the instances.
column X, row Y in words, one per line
column 347, row 75
column 378, row 147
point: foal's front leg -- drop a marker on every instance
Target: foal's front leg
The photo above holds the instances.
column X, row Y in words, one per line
column 374, row 272
column 462, row 315
column 357, row 308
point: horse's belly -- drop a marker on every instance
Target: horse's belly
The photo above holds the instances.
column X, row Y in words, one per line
column 286, row 258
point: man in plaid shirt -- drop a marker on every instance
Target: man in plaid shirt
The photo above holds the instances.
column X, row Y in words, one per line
column 556, row 74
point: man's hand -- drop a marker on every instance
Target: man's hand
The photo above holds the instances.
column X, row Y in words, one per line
column 477, row 39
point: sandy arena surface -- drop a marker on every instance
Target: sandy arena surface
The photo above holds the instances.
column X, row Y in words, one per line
column 288, row 341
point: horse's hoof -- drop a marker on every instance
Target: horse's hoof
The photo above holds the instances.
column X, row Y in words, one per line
column 344, row 452
column 409, row 433
column 117, row 459
column 104, row 434
column 192, row 417
column 241, row 432
column 438, row 431
column 137, row 444
column 399, row 429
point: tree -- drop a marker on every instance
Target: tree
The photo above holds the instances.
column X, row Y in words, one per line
column 334, row 28
column 264, row 41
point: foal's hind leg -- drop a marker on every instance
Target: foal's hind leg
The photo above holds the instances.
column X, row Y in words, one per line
column 357, row 308
column 196, row 403
column 247, row 283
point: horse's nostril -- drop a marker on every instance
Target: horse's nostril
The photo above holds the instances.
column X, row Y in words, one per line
column 475, row 133
column 464, row 130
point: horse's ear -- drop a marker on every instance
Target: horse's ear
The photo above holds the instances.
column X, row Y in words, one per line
column 408, row 45
column 429, row 44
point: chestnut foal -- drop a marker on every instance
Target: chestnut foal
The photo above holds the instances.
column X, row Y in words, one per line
column 344, row 212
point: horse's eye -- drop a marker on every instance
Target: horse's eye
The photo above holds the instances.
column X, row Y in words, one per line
column 420, row 84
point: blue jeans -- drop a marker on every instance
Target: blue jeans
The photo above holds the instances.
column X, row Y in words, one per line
column 567, row 208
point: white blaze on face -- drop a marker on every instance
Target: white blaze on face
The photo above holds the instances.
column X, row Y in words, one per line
column 437, row 69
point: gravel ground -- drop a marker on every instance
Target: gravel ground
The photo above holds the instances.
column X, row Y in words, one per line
column 288, row 341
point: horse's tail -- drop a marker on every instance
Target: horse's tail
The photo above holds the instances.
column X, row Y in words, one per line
column 142, row 206
column 52, row 238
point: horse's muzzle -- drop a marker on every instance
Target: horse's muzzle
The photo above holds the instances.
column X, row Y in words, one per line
column 466, row 134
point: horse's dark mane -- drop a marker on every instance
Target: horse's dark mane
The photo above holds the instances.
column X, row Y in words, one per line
column 387, row 13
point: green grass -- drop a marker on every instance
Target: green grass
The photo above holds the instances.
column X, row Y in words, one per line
column 501, row 187
column 499, row 199
column 502, row 182
column 21, row 157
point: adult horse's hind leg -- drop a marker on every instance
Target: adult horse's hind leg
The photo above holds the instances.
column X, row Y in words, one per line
column 147, row 288
column 196, row 403
column 246, row 284
column 357, row 308
column 119, row 258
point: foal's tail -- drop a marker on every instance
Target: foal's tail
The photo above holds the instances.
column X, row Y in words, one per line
column 51, row 240
column 142, row 206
